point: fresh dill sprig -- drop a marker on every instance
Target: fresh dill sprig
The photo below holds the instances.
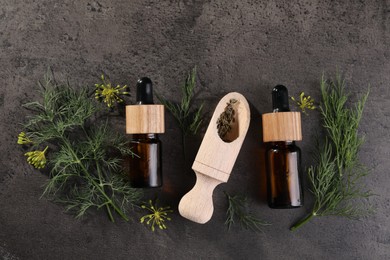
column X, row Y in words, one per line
column 335, row 179
column 85, row 155
column 188, row 118
column 237, row 211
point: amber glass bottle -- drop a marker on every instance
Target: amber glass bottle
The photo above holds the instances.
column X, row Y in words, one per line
column 284, row 182
column 144, row 169
column 283, row 162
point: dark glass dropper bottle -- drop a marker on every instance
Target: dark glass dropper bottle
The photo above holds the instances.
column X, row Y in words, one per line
column 284, row 186
column 145, row 169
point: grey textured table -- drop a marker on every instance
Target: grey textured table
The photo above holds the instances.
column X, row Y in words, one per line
column 245, row 46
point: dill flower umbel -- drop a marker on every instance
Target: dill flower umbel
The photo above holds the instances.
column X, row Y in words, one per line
column 37, row 158
column 305, row 102
column 24, row 139
column 108, row 94
column 157, row 217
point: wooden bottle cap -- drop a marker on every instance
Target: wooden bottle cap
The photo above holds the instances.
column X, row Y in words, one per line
column 145, row 119
column 282, row 126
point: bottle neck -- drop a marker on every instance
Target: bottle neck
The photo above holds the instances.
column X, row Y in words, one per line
column 283, row 143
column 144, row 136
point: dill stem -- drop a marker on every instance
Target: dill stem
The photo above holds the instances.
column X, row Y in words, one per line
column 101, row 184
column 120, row 212
column 302, row 221
column 109, row 213
column 100, row 178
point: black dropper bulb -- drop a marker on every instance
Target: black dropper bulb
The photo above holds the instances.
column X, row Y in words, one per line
column 280, row 99
column 144, row 91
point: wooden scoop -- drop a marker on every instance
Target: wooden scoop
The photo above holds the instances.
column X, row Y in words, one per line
column 215, row 159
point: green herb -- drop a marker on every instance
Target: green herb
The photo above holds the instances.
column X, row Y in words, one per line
column 304, row 102
column 226, row 119
column 109, row 94
column 85, row 156
column 24, row 139
column 188, row 118
column 335, row 179
column 237, row 211
column 37, row 158
column 157, row 217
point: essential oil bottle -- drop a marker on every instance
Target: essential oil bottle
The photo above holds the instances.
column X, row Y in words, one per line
column 144, row 121
column 283, row 158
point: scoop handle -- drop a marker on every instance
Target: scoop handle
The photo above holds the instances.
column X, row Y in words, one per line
column 197, row 204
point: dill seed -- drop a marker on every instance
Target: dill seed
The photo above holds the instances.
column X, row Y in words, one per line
column 226, row 119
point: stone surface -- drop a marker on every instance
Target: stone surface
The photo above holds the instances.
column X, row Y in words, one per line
column 245, row 46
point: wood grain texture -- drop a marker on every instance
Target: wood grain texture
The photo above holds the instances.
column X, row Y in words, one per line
column 214, row 161
column 282, row 126
column 145, row 119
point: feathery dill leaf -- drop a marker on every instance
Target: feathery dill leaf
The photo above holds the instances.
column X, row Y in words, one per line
column 335, row 179
column 188, row 118
column 237, row 211
column 84, row 156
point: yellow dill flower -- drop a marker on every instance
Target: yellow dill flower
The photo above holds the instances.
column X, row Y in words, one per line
column 24, row 139
column 109, row 94
column 305, row 102
column 37, row 158
column 157, row 217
